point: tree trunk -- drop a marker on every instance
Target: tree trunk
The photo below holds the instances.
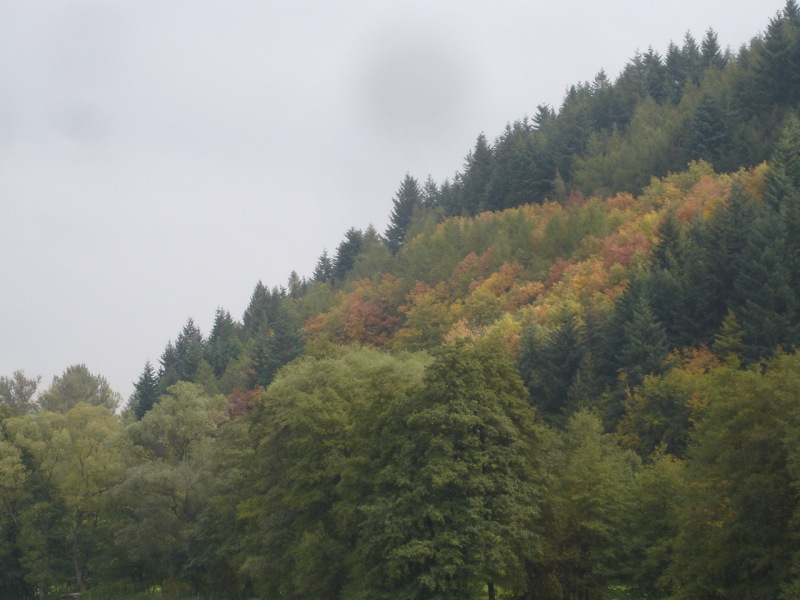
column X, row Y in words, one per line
column 490, row 587
column 75, row 562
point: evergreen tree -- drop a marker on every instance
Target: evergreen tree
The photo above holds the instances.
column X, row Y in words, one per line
column 692, row 59
column 257, row 314
column 224, row 343
column 431, row 196
column 764, row 300
column 346, row 253
column 710, row 51
column 168, row 369
column 323, row 271
column 145, row 392
column 645, row 346
column 407, row 199
column 477, row 173
column 707, row 135
column 189, row 351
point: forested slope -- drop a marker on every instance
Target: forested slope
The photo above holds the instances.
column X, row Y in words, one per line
column 568, row 372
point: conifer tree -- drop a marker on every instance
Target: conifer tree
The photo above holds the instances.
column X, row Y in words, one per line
column 224, row 343
column 346, row 253
column 477, row 173
column 189, row 350
column 407, row 199
column 145, row 392
column 323, row 271
column 710, row 51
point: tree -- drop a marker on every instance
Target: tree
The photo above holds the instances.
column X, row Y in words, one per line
column 162, row 495
column 459, row 487
column 407, row 199
column 645, row 347
column 477, row 173
column 584, row 545
column 17, row 393
column 189, row 350
column 76, row 385
column 710, row 51
column 346, row 254
column 78, row 457
column 707, row 133
column 145, row 392
column 224, row 344
column 318, row 434
column 323, row 271
column 736, row 536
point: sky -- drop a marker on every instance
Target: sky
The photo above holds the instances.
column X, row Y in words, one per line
column 160, row 157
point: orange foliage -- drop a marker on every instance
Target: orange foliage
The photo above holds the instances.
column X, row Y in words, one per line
column 622, row 201
column 621, row 247
column 706, row 195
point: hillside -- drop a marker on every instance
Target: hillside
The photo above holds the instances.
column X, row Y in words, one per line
column 568, row 372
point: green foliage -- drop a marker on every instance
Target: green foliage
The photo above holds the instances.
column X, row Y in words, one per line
column 318, row 431
column 78, row 385
column 406, row 200
column 459, row 485
column 17, row 393
column 736, row 536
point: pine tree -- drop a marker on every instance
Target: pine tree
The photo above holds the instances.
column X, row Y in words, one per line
column 710, row 51
column 645, row 346
column 477, row 173
column 145, row 393
column 407, row 199
column 707, row 135
column 323, row 271
column 346, row 253
column 256, row 315
column 189, row 351
column 224, row 343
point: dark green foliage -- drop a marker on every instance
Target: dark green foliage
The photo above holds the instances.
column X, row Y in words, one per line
column 323, row 271
column 476, row 177
column 189, row 350
column 407, row 199
column 706, row 136
column 645, row 345
column 145, row 392
column 764, row 300
column 710, row 51
column 736, row 527
column 458, row 492
column 224, row 344
column 346, row 254
column 549, row 362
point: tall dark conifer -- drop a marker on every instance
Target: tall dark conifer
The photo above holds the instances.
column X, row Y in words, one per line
column 145, row 392
column 407, row 199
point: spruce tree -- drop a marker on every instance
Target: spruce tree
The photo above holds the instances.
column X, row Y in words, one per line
column 346, row 253
column 323, row 271
column 407, row 199
column 710, row 51
column 145, row 393
column 477, row 173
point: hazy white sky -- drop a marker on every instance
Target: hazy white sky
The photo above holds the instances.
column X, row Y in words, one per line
column 159, row 157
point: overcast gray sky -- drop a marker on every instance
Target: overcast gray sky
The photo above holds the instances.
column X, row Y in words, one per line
column 159, row 157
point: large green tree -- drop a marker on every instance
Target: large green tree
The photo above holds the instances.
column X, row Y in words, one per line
column 77, row 385
column 459, row 488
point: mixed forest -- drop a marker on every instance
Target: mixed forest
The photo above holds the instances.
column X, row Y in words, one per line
column 568, row 372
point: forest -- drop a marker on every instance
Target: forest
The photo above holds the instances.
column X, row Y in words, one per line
column 568, row 372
